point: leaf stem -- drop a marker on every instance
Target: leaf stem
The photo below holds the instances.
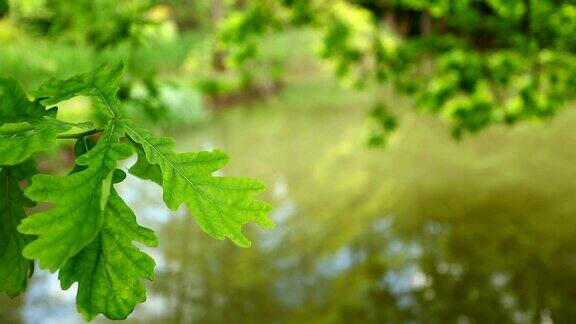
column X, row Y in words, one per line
column 80, row 135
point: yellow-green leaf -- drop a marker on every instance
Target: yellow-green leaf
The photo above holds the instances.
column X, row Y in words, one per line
column 221, row 205
column 110, row 268
column 17, row 147
column 79, row 200
column 101, row 85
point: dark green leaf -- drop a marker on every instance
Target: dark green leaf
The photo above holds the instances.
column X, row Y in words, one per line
column 14, row 268
column 15, row 106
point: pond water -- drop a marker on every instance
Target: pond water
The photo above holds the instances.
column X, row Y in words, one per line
column 428, row 230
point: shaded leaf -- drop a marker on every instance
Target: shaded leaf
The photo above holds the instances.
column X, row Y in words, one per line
column 14, row 268
column 144, row 169
column 26, row 129
column 15, row 106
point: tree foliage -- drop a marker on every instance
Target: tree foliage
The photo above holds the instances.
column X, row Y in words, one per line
column 101, row 23
column 88, row 232
column 475, row 63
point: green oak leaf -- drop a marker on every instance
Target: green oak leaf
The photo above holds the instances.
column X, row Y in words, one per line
column 26, row 127
column 15, row 106
column 143, row 169
column 108, row 270
column 221, row 205
column 79, row 200
column 20, row 146
column 100, row 84
column 14, row 268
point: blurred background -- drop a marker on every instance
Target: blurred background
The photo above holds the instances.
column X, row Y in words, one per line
column 419, row 154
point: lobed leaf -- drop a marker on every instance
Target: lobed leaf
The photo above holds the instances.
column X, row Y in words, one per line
column 88, row 233
column 18, row 147
column 14, row 268
column 26, row 129
column 143, row 169
column 15, row 106
column 100, row 84
column 221, row 205
column 108, row 270
column 79, row 201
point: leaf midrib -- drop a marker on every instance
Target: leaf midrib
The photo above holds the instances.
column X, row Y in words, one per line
column 194, row 186
column 92, row 201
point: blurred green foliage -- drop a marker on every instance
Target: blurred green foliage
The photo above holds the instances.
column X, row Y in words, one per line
column 97, row 22
column 475, row 63
column 429, row 230
column 4, row 7
column 69, row 37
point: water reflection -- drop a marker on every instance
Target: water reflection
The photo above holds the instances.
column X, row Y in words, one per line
column 428, row 231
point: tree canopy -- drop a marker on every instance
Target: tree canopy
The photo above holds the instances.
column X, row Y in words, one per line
column 475, row 63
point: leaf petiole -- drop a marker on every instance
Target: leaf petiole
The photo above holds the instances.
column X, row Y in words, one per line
column 80, row 135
